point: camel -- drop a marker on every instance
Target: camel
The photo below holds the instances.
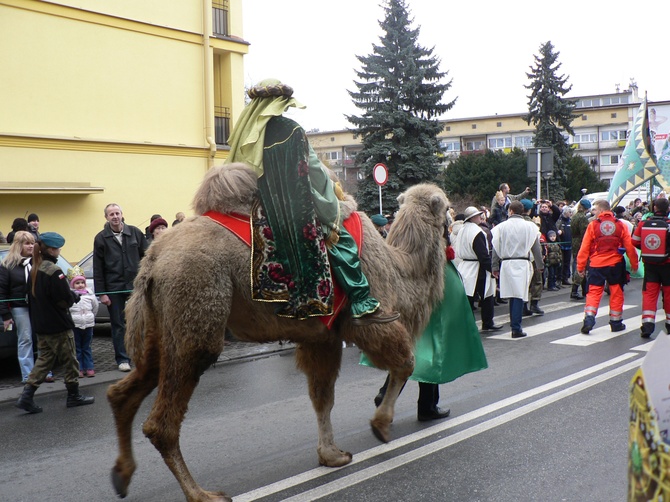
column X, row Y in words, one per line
column 194, row 282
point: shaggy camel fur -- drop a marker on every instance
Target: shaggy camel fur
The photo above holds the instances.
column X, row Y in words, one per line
column 204, row 264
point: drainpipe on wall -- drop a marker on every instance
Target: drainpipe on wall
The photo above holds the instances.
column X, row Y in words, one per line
column 208, row 66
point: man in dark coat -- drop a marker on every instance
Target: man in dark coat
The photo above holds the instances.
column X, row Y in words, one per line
column 117, row 251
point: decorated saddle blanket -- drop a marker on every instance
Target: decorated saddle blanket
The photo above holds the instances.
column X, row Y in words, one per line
column 320, row 295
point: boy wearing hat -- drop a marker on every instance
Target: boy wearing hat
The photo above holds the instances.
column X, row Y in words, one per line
column 552, row 261
column 34, row 225
column 49, row 299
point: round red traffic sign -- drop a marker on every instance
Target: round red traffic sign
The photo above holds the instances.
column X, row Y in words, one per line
column 380, row 173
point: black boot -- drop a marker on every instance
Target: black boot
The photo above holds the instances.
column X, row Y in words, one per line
column 382, row 391
column 26, row 402
column 647, row 329
column 535, row 308
column 74, row 398
column 575, row 293
column 526, row 310
column 427, row 408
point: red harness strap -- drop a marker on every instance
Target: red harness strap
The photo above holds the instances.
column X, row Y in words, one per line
column 240, row 226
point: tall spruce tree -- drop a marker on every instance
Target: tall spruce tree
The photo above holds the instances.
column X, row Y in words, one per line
column 400, row 93
column 551, row 113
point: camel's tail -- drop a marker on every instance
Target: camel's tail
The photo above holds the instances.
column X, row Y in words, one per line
column 137, row 308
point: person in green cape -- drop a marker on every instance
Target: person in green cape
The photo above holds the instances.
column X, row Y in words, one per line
column 448, row 348
column 302, row 209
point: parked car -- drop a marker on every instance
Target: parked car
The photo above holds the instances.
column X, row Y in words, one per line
column 86, row 264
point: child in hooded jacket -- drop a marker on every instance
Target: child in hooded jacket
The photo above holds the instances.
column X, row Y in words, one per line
column 83, row 315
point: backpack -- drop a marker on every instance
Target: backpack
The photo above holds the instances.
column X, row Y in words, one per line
column 654, row 240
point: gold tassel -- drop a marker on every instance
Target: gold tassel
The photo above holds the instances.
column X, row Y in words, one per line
column 339, row 193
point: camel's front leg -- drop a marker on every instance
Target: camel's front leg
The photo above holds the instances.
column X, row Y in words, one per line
column 321, row 364
column 381, row 421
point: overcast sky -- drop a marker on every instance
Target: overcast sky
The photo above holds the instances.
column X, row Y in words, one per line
column 487, row 47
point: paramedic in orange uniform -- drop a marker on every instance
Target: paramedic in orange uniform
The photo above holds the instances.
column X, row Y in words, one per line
column 656, row 272
column 604, row 238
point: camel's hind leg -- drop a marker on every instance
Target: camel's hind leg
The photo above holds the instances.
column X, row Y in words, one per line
column 321, row 363
column 181, row 368
column 125, row 397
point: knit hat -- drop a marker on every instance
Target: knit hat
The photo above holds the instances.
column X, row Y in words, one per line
column 586, row 203
column 619, row 210
column 52, row 240
column 75, row 274
column 33, row 217
column 527, row 204
column 550, row 234
column 157, row 223
column 379, row 220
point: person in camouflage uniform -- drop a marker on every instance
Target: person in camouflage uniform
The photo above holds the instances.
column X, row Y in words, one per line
column 535, row 289
column 578, row 226
column 49, row 300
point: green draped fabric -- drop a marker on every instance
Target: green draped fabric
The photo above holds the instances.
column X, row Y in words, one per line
column 450, row 346
column 290, row 259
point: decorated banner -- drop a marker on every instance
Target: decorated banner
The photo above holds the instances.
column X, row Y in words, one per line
column 637, row 164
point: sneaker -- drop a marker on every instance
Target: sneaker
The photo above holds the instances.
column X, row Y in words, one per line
column 50, row 377
column 376, row 317
column 124, row 367
column 90, row 373
column 81, row 374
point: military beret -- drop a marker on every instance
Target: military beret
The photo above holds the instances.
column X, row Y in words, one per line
column 379, row 220
column 586, row 203
column 52, row 240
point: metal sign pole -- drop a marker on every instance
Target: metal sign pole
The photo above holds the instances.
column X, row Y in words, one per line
column 380, row 200
column 539, row 170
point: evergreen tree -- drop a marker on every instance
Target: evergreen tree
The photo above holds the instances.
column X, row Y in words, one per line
column 551, row 113
column 400, row 94
column 580, row 175
column 475, row 178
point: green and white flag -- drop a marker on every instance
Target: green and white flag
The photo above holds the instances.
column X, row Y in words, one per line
column 637, row 164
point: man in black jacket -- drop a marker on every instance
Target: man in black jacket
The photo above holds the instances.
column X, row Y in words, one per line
column 117, row 251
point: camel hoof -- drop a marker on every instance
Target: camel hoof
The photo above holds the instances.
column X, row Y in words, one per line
column 218, row 497
column 381, row 431
column 343, row 458
column 120, row 485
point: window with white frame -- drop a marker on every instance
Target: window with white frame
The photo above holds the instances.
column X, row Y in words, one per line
column 471, row 146
column 451, row 146
column 587, row 103
column 616, row 100
column 591, row 160
column 523, row 141
column 336, row 155
column 609, row 159
column 612, row 135
column 498, row 143
column 588, row 137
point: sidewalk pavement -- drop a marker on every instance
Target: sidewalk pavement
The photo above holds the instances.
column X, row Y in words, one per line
column 106, row 369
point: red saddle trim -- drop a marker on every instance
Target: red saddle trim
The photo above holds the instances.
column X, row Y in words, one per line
column 240, row 226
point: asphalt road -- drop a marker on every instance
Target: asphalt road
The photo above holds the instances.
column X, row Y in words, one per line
column 548, row 420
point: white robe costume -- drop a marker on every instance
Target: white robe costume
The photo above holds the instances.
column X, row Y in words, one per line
column 512, row 243
column 468, row 263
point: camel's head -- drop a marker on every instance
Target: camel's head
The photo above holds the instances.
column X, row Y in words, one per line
column 227, row 189
column 427, row 201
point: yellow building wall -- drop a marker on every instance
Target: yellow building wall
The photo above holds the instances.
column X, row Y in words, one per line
column 60, row 81
column 166, row 186
column 111, row 94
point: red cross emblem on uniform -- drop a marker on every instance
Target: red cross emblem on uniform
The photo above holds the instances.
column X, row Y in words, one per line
column 652, row 242
column 607, row 227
